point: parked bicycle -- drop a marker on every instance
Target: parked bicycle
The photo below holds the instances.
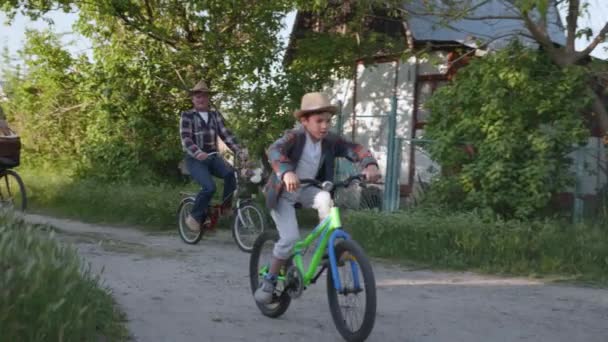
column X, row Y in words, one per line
column 12, row 190
column 350, row 279
column 248, row 218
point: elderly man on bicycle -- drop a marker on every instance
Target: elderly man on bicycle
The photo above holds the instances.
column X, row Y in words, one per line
column 199, row 130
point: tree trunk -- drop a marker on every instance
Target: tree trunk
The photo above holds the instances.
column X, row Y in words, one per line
column 562, row 58
column 602, row 114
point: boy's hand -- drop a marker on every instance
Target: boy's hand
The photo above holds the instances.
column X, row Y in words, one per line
column 202, row 156
column 291, row 180
column 372, row 174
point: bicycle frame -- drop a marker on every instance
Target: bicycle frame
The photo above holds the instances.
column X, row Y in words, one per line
column 234, row 194
column 327, row 231
column 238, row 203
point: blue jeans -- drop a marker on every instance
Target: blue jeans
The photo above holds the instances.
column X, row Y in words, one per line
column 202, row 172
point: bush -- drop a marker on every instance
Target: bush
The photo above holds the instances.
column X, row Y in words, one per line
column 46, row 294
column 465, row 240
column 502, row 130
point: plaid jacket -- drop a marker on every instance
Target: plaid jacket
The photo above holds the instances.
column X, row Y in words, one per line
column 198, row 136
column 285, row 153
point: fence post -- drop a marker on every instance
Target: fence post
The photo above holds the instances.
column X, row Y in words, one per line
column 397, row 173
column 390, row 180
column 339, row 132
column 578, row 202
column 339, row 119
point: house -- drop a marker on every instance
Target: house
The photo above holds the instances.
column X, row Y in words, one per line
column 365, row 98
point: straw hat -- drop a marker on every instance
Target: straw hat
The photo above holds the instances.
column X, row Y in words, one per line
column 201, row 87
column 314, row 103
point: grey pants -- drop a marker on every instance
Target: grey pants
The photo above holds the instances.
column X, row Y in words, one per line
column 284, row 215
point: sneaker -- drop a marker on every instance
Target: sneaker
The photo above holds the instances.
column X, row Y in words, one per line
column 263, row 294
column 207, row 228
column 193, row 224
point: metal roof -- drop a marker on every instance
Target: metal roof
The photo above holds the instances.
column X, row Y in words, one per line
column 425, row 26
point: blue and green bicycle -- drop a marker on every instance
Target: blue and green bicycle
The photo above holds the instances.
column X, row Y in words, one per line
column 351, row 287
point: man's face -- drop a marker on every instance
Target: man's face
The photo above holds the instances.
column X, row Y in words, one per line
column 200, row 101
column 317, row 125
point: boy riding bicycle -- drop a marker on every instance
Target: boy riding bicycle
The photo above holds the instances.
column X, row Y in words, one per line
column 306, row 152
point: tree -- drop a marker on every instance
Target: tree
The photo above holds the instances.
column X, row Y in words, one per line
column 168, row 45
column 521, row 115
column 42, row 107
column 146, row 54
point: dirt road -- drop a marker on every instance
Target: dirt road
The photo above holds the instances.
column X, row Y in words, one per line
column 171, row 291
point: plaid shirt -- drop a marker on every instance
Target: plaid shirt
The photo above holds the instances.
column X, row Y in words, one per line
column 284, row 155
column 198, row 137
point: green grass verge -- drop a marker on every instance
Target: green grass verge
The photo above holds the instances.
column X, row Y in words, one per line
column 439, row 239
column 46, row 292
column 465, row 241
column 150, row 206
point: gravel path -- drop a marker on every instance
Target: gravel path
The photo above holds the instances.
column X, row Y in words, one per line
column 171, row 291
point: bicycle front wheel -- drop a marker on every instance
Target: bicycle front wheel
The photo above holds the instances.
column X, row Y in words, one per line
column 247, row 226
column 12, row 191
column 353, row 305
column 259, row 264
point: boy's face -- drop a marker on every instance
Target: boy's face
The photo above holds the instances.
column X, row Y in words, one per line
column 317, row 125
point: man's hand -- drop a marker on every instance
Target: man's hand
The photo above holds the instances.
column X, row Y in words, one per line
column 372, row 174
column 292, row 183
column 202, row 156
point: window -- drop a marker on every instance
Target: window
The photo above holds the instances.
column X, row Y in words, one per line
column 426, row 85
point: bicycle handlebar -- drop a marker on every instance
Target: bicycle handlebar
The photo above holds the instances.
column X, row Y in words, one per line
column 329, row 186
column 242, row 170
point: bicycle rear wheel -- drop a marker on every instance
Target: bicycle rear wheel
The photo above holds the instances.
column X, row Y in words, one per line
column 357, row 286
column 12, row 191
column 247, row 226
column 188, row 236
column 259, row 263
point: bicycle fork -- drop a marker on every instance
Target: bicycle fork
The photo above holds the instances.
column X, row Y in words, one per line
column 333, row 262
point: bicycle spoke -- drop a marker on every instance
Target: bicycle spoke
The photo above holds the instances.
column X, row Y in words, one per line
column 12, row 195
column 350, row 299
column 249, row 220
column 8, row 187
column 265, row 260
column 248, row 225
column 187, row 235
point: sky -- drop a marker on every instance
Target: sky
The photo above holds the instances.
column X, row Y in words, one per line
column 13, row 36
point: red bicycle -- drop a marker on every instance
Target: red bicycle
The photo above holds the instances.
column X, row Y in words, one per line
column 248, row 218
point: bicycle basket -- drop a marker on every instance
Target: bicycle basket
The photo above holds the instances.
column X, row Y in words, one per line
column 10, row 146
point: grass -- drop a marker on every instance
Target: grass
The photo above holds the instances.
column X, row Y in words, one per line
column 47, row 293
column 149, row 206
column 438, row 239
column 466, row 241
